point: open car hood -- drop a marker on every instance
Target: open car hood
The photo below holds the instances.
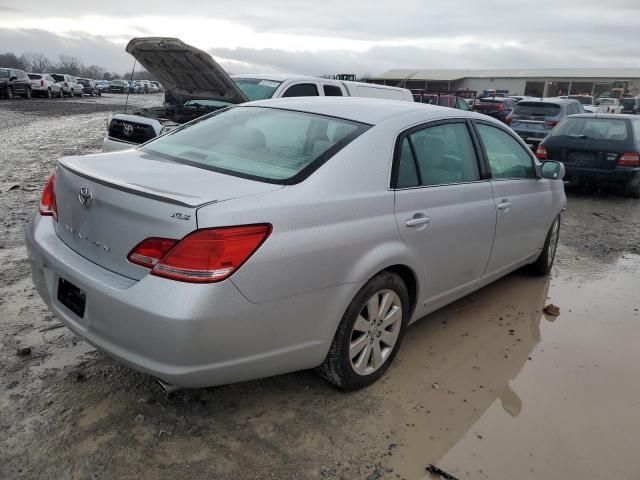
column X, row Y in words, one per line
column 185, row 71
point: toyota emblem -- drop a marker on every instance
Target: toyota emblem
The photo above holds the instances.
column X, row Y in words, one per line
column 128, row 129
column 85, row 197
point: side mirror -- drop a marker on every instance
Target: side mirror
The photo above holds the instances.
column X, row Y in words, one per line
column 553, row 170
column 13, row 78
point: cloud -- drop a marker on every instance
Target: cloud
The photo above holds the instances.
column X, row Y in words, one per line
column 91, row 49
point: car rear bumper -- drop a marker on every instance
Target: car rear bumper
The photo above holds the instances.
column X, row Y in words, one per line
column 616, row 175
column 188, row 335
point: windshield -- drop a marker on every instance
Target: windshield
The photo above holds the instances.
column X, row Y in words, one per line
column 537, row 109
column 593, row 128
column 267, row 144
column 257, row 88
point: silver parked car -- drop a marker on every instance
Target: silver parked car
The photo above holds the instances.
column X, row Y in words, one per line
column 288, row 234
column 45, row 85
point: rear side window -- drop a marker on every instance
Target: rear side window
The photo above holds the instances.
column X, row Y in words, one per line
column 441, row 154
column 507, row 158
column 302, row 90
column 537, row 109
column 593, row 128
column 332, row 91
column 268, row 144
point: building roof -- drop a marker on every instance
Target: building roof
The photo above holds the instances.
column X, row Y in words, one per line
column 456, row 74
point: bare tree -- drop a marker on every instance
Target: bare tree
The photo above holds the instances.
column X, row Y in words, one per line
column 92, row 71
column 36, row 62
column 69, row 65
column 10, row 60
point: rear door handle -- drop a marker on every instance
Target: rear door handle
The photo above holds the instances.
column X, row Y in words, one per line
column 418, row 220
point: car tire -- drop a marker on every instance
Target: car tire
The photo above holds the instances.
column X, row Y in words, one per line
column 633, row 189
column 9, row 93
column 49, row 94
column 352, row 362
column 71, row 93
column 27, row 94
column 544, row 263
column 61, row 93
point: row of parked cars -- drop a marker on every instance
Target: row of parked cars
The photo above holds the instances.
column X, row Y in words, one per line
column 16, row 82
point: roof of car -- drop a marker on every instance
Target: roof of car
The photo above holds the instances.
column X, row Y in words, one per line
column 619, row 116
column 359, row 109
column 559, row 101
column 278, row 77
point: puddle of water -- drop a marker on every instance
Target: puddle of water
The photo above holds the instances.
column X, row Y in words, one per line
column 63, row 353
column 502, row 391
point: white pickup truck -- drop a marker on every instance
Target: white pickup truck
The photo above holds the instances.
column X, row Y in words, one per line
column 609, row 105
column 197, row 85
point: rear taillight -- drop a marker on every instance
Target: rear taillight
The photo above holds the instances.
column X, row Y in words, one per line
column 501, row 107
column 541, row 152
column 204, row 256
column 149, row 252
column 66, row 84
column 551, row 123
column 48, row 206
column 629, row 159
column 507, row 120
column 42, row 83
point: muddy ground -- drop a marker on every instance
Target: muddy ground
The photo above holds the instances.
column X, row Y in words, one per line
column 489, row 387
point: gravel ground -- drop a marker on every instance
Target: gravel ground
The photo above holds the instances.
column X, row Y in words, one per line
column 68, row 411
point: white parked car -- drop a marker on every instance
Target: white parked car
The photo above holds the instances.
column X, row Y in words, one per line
column 45, row 85
column 69, row 84
column 609, row 105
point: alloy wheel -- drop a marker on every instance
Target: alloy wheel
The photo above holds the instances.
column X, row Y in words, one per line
column 375, row 332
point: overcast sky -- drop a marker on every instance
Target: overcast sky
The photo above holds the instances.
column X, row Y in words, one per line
column 333, row 36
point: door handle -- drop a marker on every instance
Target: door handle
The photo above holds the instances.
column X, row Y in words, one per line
column 504, row 205
column 418, row 220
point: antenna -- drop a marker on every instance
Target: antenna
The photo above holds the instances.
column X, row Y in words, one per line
column 129, row 89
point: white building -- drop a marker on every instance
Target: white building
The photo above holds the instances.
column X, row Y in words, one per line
column 516, row 81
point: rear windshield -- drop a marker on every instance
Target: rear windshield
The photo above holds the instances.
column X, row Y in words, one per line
column 266, row 144
column 257, row 88
column 34, row 76
column 57, row 77
column 628, row 102
column 537, row 109
column 593, row 128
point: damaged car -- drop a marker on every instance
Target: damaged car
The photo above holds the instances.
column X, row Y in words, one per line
column 196, row 85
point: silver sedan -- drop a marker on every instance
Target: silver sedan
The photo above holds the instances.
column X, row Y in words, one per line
column 288, row 234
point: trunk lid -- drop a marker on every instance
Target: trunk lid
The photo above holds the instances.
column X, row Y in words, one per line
column 108, row 203
column 185, row 71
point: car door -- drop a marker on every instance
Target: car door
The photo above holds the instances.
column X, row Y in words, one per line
column 444, row 206
column 522, row 199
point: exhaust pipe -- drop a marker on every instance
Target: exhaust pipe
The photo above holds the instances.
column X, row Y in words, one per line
column 167, row 387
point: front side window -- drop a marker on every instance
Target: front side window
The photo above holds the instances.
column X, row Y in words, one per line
column 441, row 154
column 265, row 144
column 4, row 73
column 507, row 158
column 302, row 90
